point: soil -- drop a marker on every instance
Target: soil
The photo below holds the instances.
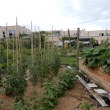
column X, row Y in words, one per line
column 71, row 101
column 74, row 98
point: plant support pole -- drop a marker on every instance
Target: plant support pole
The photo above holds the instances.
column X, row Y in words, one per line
column 17, row 42
column 77, row 49
column 69, row 40
column 7, row 46
column 52, row 43
column 31, row 43
column 40, row 49
column 13, row 45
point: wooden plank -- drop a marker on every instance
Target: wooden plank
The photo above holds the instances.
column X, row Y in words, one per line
column 99, row 78
column 96, row 96
column 92, row 85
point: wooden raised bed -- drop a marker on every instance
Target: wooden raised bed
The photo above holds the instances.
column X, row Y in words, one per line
column 97, row 75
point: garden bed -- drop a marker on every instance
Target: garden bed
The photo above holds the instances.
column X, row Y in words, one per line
column 97, row 75
column 71, row 101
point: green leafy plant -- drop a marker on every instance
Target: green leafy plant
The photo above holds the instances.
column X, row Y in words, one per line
column 15, row 84
column 97, row 57
column 67, row 80
column 55, row 63
column 50, row 98
column 22, row 105
column 87, row 106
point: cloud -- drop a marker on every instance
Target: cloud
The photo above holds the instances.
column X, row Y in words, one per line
column 61, row 14
column 87, row 12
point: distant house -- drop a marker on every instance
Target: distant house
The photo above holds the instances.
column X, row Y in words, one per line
column 11, row 31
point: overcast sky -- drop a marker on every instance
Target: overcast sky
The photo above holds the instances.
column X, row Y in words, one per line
column 61, row 14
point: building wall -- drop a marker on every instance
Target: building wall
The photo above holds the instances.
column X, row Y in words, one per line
column 12, row 29
column 96, row 34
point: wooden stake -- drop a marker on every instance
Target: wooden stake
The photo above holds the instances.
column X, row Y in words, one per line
column 40, row 50
column 69, row 40
column 31, row 43
column 44, row 42
column 13, row 46
column 19, row 38
column 77, row 49
column 52, row 39
column 35, row 43
column 17, row 43
column 7, row 46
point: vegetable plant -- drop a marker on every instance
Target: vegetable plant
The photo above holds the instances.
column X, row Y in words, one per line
column 87, row 106
column 67, row 80
column 97, row 57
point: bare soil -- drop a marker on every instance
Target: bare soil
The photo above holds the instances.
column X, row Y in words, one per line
column 74, row 98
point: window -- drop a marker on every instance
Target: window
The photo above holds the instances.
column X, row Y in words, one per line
column 81, row 34
column 75, row 34
column 11, row 33
column 101, row 34
column 3, row 34
column 92, row 34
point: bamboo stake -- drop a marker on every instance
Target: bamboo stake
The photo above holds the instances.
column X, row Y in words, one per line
column 19, row 38
column 47, row 44
column 35, row 43
column 52, row 43
column 31, row 44
column 52, row 39
column 7, row 46
column 17, row 43
column 40, row 50
column 44, row 42
column 13, row 46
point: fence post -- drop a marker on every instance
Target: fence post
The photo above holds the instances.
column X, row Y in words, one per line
column 77, row 48
column 69, row 40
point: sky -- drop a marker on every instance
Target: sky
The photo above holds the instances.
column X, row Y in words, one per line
column 61, row 14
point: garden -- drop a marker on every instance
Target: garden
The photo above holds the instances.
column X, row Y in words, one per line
column 34, row 75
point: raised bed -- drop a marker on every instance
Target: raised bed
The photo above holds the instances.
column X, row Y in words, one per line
column 96, row 75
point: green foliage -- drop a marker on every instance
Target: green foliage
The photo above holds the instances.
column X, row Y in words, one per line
column 67, row 80
column 96, row 57
column 55, row 63
column 87, row 106
column 22, row 105
column 50, row 98
column 91, row 42
column 15, row 84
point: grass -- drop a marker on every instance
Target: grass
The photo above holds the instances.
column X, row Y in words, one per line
column 68, row 60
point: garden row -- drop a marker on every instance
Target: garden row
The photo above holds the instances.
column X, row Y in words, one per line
column 52, row 90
